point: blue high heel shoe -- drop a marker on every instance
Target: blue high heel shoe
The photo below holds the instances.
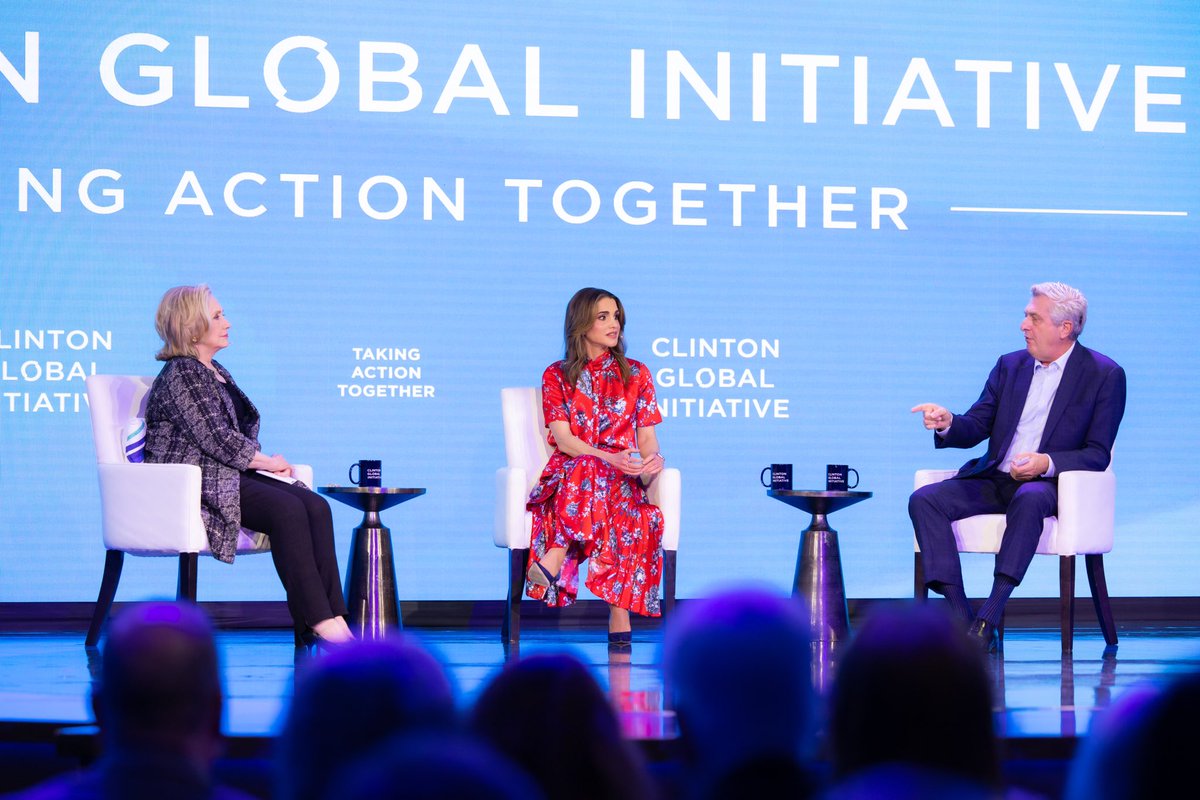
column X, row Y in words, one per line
column 538, row 575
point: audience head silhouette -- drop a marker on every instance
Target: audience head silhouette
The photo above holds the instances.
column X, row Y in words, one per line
column 548, row 714
column 157, row 698
column 437, row 766
column 159, row 687
column 354, row 699
column 739, row 667
column 1141, row 746
column 913, row 692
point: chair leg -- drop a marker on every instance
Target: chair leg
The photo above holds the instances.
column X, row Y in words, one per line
column 113, row 561
column 1095, row 573
column 510, row 629
column 920, row 590
column 1066, row 601
column 188, row 568
column 668, row 587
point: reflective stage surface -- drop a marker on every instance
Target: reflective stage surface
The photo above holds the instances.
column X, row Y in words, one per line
column 1043, row 700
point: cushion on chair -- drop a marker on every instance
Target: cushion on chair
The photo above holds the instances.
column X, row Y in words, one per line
column 133, row 437
column 983, row 533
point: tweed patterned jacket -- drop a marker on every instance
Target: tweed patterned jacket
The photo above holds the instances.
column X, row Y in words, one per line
column 191, row 420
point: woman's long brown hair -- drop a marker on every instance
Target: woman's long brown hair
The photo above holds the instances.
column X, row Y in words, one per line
column 581, row 313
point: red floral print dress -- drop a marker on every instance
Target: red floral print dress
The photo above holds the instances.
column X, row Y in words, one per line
column 589, row 506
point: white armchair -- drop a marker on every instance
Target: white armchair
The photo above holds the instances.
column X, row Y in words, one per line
column 147, row 509
column 1083, row 526
column 527, row 453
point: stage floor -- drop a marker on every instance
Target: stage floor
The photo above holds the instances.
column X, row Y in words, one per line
column 1043, row 701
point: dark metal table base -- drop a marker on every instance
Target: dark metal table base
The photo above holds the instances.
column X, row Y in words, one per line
column 819, row 581
column 371, row 594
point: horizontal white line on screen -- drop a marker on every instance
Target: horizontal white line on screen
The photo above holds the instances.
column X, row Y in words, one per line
column 1101, row 211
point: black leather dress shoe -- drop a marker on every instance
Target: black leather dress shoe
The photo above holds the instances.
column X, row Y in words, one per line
column 984, row 634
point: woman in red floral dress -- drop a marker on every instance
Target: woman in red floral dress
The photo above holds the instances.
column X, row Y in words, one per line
column 590, row 501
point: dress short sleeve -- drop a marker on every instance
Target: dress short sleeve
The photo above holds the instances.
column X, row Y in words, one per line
column 554, row 396
column 646, row 413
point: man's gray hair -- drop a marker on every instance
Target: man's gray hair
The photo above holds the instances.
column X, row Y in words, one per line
column 1069, row 304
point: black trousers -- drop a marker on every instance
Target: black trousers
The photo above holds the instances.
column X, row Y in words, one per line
column 1026, row 504
column 300, row 525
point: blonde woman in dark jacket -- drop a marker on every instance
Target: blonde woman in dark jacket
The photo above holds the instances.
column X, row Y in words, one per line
column 196, row 414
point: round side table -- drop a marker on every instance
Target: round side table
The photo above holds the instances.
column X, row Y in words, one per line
column 819, row 562
column 371, row 594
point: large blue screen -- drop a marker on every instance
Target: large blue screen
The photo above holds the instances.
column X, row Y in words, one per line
column 817, row 216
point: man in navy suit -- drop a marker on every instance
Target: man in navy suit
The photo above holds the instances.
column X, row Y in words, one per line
column 1052, row 407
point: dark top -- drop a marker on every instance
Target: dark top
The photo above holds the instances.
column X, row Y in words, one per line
column 245, row 416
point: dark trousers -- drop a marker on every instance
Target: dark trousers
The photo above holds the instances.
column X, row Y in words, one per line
column 301, row 529
column 1025, row 504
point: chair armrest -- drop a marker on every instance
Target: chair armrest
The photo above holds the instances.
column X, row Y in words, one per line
column 512, row 491
column 666, row 492
column 924, row 477
column 304, row 472
column 1086, row 508
column 151, row 508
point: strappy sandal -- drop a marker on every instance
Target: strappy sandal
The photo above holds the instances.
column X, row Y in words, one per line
column 538, row 575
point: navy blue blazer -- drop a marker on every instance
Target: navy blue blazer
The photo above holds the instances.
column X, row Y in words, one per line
column 1080, row 429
